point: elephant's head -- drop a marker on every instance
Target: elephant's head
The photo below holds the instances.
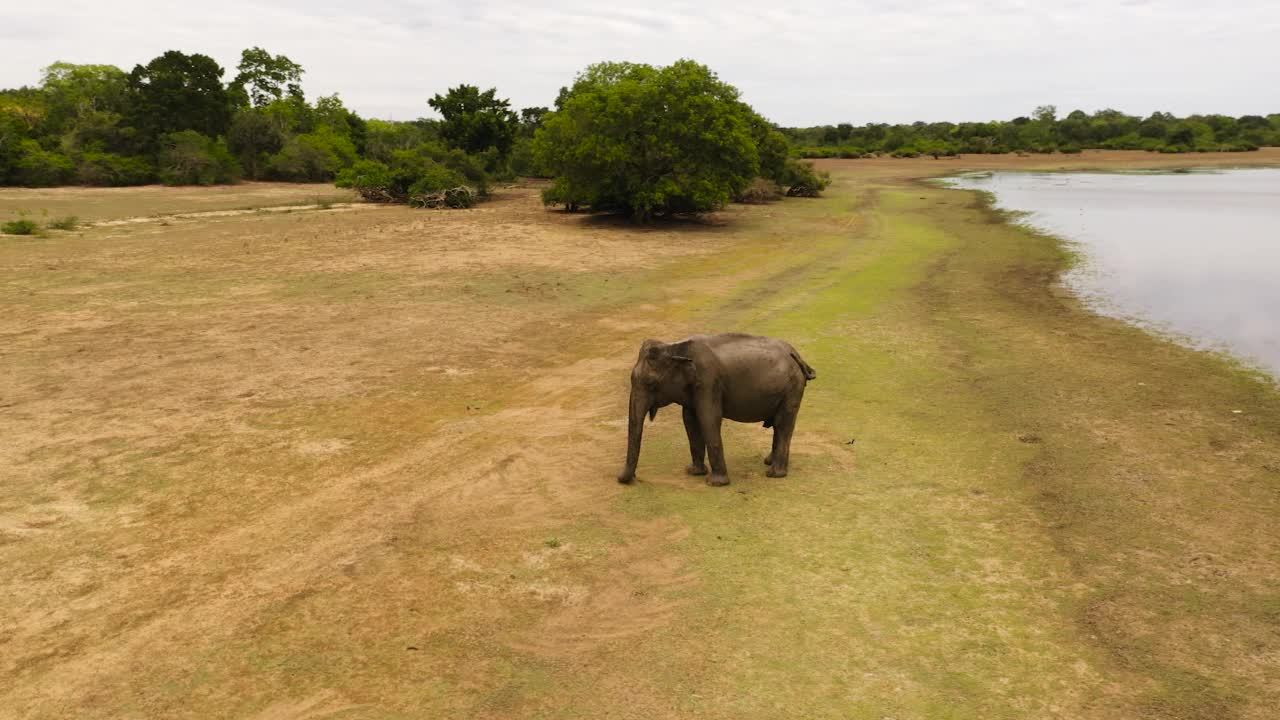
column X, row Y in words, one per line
column 663, row 374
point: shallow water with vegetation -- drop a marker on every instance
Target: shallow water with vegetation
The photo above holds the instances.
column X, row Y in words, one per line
column 1195, row 254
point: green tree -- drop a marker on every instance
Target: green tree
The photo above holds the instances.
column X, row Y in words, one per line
column 177, row 92
column 772, row 150
column 531, row 119
column 313, row 157
column 1156, row 125
column 37, row 167
column 475, row 121
column 262, row 78
column 1046, row 114
column 21, row 112
column 83, row 100
column 331, row 113
column 384, row 137
column 252, row 138
column 189, row 158
column 648, row 141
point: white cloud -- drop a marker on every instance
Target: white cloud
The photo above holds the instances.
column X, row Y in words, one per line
column 799, row 64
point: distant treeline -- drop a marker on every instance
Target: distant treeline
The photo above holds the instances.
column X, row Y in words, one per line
column 1042, row 132
column 175, row 120
column 624, row 138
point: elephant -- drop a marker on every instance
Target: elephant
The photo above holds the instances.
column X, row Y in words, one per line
column 745, row 378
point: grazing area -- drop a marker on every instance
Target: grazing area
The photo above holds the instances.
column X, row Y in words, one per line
column 358, row 461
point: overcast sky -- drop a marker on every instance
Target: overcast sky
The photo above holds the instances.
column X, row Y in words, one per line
column 797, row 63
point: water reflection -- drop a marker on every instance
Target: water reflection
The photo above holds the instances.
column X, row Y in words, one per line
column 1196, row 254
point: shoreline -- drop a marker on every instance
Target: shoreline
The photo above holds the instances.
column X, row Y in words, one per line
column 1097, row 299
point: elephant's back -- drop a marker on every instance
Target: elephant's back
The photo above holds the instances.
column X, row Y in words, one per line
column 750, row 350
column 762, row 364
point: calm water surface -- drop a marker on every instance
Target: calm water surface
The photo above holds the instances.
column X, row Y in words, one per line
column 1194, row 254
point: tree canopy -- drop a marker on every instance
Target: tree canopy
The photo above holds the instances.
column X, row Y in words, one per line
column 1043, row 131
column 174, row 120
column 176, row 92
column 475, row 121
column 263, row 78
column 648, row 141
column 652, row 141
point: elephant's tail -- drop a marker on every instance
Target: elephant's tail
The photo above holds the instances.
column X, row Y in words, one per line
column 809, row 373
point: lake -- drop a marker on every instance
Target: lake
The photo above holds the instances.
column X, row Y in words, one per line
column 1192, row 254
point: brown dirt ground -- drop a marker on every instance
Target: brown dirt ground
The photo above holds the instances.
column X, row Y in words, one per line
column 97, row 204
column 209, row 419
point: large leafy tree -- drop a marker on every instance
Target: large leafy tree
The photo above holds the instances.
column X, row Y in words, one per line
column 252, row 137
column 263, row 78
column 650, row 141
column 531, row 119
column 21, row 112
column 475, row 121
column 79, row 96
column 177, row 92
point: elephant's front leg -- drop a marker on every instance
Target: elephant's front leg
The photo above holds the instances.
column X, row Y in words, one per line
column 709, row 418
column 697, row 446
column 768, row 459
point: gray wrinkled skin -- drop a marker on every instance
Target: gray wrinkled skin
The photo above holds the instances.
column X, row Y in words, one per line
column 712, row 377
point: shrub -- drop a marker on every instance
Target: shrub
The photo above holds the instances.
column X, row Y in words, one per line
column 557, row 195
column 760, row 191
column 434, row 177
column 22, row 226
column 418, row 178
column 37, row 167
column 374, row 181
column 455, row 197
column 315, row 156
column 189, row 158
column 523, row 161
column 802, row 180
column 99, row 168
column 494, row 164
column 465, row 165
column 64, row 223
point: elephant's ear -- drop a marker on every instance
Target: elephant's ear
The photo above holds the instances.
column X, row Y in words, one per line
column 682, row 351
column 651, row 349
column 686, row 363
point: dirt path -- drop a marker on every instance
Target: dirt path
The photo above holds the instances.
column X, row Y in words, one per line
column 100, row 204
column 359, row 464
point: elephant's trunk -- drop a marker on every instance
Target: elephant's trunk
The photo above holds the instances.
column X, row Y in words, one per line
column 640, row 404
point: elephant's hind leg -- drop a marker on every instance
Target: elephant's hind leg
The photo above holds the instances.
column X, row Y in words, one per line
column 773, row 423
column 697, row 446
column 783, row 427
